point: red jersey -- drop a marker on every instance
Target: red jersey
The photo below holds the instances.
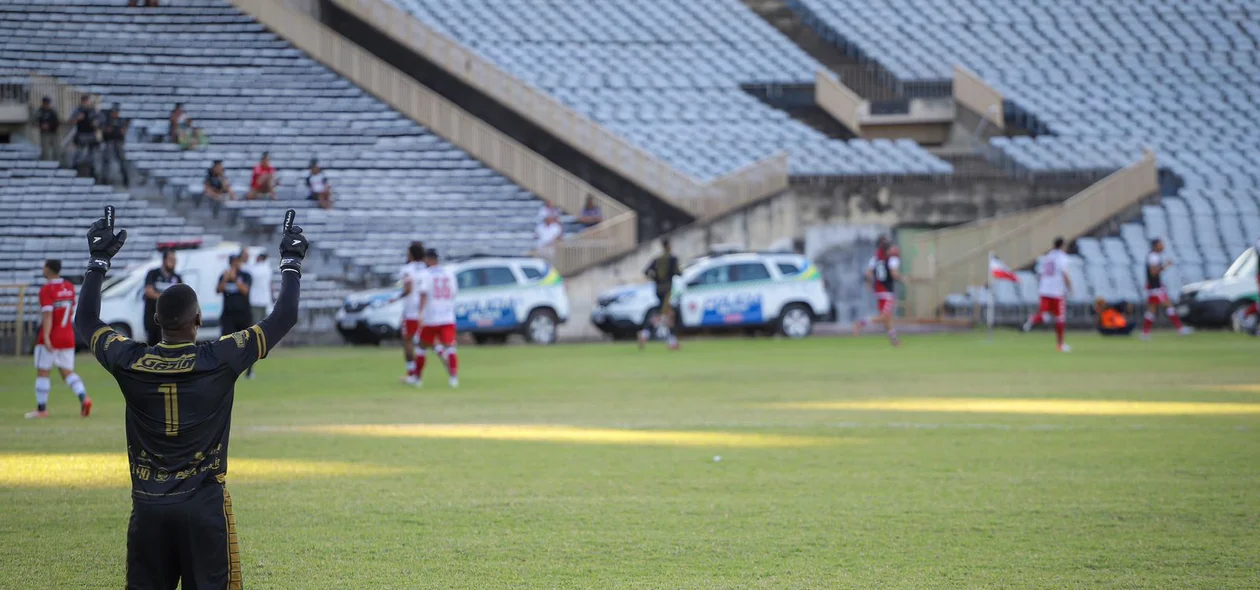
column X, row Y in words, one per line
column 57, row 296
column 260, row 170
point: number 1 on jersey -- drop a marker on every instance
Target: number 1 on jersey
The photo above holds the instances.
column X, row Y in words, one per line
column 170, row 392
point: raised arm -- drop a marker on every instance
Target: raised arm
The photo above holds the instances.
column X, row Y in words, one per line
column 103, row 244
column 244, row 348
column 284, row 315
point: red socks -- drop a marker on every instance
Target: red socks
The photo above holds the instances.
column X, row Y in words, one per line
column 452, row 362
column 1058, row 332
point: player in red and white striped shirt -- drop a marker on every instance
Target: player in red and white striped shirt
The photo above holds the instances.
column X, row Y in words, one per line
column 55, row 345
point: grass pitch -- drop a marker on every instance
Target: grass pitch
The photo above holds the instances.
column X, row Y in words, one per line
column 950, row 462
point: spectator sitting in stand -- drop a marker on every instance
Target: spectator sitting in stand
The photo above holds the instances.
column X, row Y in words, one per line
column 193, row 138
column 263, row 182
column 1112, row 320
column 49, row 123
column 550, row 232
column 546, row 210
column 217, row 186
column 318, row 188
column 178, row 124
column 591, row 213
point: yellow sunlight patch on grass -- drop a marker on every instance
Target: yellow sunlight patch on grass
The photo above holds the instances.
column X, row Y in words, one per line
column 1240, row 387
column 1067, row 407
column 572, row 434
column 106, row 470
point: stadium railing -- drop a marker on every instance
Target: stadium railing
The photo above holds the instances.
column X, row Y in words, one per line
column 951, row 260
column 745, row 185
column 498, row 151
column 15, row 331
column 597, row 244
column 65, row 98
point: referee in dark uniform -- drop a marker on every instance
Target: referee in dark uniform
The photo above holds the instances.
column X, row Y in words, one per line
column 155, row 282
column 179, row 397
column 662, row 271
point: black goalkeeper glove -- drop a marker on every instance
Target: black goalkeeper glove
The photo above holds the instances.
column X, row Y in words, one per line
column 293, row 245
column 103, row 243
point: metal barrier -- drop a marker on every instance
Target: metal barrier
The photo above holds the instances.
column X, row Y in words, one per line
column 498, row 151
column 978, row 97
column 65, row 98
column 748, row 184
column 953, row 259
column 16, row 320
column 838, row 100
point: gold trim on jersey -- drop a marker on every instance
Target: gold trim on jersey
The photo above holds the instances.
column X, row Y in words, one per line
column 262, row 341
column 235, row 581
column 96, row 336
column 175, row 345
column 156, row 363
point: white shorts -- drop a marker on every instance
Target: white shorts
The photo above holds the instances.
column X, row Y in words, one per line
column 46, row 358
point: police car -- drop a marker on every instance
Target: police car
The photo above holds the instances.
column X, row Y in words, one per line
column 1224, row 301
column 779, row 292
column 498, row 297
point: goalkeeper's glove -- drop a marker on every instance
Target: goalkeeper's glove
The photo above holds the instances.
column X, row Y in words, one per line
column 293, row 246
column 103, row 243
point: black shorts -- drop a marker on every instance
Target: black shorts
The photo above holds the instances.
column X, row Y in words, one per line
column 663, row 296
column 193, row 541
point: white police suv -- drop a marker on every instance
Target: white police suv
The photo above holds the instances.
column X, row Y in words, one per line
column 498, row 297
column 1224, row 301
column 779, row 292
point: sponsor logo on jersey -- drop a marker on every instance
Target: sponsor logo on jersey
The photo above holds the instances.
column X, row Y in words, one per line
column 153, row 363
column 735, row 308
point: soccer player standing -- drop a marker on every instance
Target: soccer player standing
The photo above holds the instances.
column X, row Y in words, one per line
column 1156, row 295
column 882, row 273
column 179, row 398
column 56, row 341
column 413, row 297
column 439, row 318
column 662, row 271
column 1053, row 284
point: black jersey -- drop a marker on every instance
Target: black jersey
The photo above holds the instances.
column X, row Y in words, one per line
column 179, row 396
column 662, row 272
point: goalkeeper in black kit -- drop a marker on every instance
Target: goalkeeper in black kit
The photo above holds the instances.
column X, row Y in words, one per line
column 179, row 413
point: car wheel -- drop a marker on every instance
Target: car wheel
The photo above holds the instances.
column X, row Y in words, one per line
column 796, row 321
column 540, row 326
column 1238, row 320
column 123, row 329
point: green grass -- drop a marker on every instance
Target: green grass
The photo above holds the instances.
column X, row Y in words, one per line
column 891, row 500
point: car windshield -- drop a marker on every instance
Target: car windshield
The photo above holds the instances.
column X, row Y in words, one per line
column 1245, row 265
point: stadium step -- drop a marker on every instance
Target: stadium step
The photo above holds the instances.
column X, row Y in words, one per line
column 869, row 80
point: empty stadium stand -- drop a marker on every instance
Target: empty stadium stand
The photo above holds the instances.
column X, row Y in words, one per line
column 47, row 211
column 1095, row 82
column 668, row 76
column 251, row 92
